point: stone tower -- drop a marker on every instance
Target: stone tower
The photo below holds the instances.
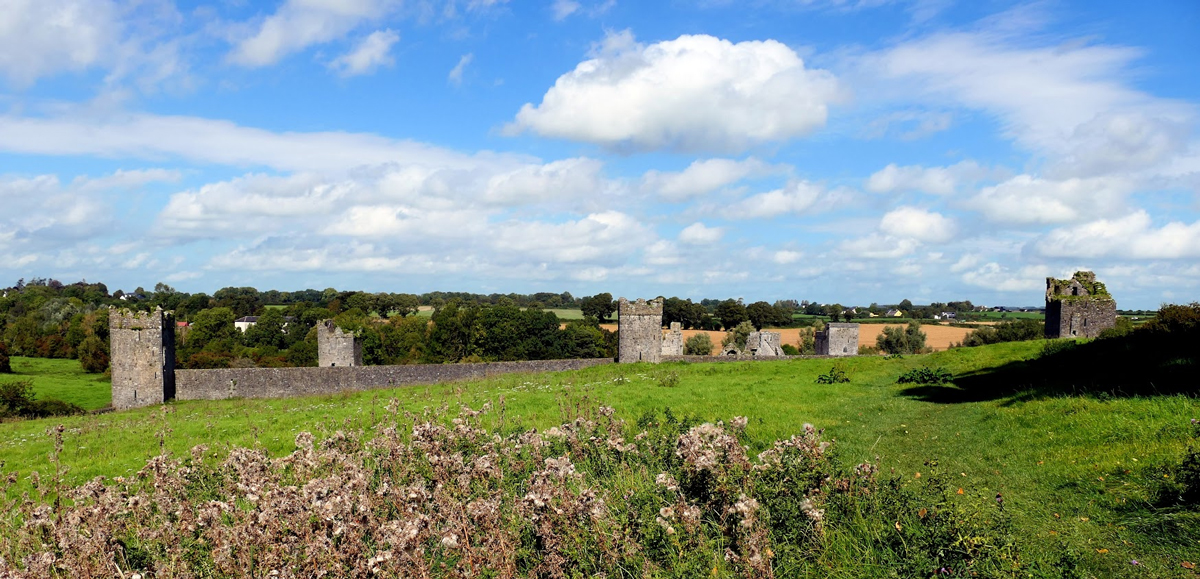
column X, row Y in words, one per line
column 639, row 331
column 837, row 339
column 142, row 352
column 1079, row 307
column 337, row 348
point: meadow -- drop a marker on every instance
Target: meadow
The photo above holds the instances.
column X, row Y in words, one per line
column 1077, row 473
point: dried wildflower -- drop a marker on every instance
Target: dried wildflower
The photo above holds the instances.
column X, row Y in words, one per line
column 667, row 480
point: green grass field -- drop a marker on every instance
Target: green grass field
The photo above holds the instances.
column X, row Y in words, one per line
column 62, row 379
column 1075, row 471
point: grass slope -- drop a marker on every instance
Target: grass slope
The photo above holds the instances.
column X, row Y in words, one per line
column 1075, row 472
column 62, row 379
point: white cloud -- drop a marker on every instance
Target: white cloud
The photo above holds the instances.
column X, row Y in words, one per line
column 695, row 93
column 146, row 136
column 456, row 73
column 796, row 197
column 373, row 52
column 703, row 176
column 564, row 8
column 1130, row 237
column 557, row 180
column 1073, row 102
column 700, row 234
column 918, row 224
column 996, row 277
column 299, row 24
column 933, row 180
column 876, row 246
column 786, row 256
column 1025, row 199
column 41, row 37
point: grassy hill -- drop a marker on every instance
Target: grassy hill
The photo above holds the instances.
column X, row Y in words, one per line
column 1080, row 474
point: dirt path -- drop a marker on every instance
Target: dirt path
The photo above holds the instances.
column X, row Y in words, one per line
column 936, row 337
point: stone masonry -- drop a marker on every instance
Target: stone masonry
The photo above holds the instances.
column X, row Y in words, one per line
column 1079, row 307
column 672, row 344
column 337, row 348
column 764, row 344
column 639, row 334
column 837, row 339
column 142, row 354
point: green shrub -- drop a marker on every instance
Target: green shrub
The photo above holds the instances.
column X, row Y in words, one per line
column 926, row 375
column 910, row 340
column 698, row 345
column 15, row 398
column 1008, row 331
column 5, row 366
column 836, row 375
column 790, row 350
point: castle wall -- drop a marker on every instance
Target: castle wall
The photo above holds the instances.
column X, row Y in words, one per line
column 223, row 383
column 336, row 348
column 142, row 353
column 672, row 342
column 765, row 344
column 837, row 339
column 639, row 334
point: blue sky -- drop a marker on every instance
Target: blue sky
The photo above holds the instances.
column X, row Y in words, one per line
column 853, row 151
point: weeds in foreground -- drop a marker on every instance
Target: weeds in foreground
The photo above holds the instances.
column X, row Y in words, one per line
column 435, row 495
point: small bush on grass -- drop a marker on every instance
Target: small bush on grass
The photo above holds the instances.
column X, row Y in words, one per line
column 910, row 340
column 926, row 375
column 835, row 375
column 18, row 400
column 790, row 350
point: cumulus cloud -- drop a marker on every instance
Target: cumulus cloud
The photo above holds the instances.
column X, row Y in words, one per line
column 918, row 224
column 694, row 93
column 565, row 179
column 42, row 37
column 298, row 24
column 933, row 180
column 1130, row 237
column 876, row 246
column 1025, row 199
column 700, row 234
column 370, row 54
column 996, row 277
column 703, row 176
column 797, row 197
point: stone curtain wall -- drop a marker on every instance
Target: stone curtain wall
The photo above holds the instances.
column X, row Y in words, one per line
column 639, row 333
column 838, row 339
column 142, row 357
column 223, row 383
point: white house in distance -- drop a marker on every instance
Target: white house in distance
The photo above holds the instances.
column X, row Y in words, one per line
column 245, row 322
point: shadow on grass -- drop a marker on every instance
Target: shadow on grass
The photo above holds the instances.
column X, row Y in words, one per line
column 1141, row 363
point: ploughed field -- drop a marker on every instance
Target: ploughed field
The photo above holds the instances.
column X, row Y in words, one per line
column 1022, row 484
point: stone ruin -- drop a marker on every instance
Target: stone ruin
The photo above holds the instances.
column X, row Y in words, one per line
column 758, row 345
column 142, row 354
column 639, row 331
column 672, row 342
column 837, row 339
column 1079, row 307
column 337, row 348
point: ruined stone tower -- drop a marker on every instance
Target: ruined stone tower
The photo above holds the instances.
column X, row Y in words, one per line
column 639, row 331
column 142, row 352
column 337, row 348
column 672, row 342
column 837, row 339
column 1079, row 307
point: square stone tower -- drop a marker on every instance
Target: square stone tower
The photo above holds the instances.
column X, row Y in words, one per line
column 337, row 348
column 141, row 349
column 838, row 339
column 639, row 331
column 1079, row 307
